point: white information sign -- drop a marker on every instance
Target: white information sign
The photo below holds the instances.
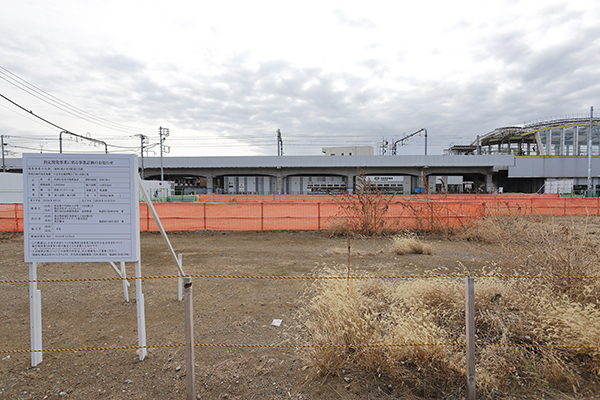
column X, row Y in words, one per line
column 80, row 207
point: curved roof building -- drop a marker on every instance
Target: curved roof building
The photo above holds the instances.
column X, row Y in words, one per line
column 565, row 135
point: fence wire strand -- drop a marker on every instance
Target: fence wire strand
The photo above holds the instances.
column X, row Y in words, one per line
column 304, row 277
column 304, row 345
column 300, row 346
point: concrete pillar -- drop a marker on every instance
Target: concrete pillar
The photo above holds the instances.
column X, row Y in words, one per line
column 350, row 183
column 423, row 180
column 489, row 186
column 279, row 184
column 209, row 183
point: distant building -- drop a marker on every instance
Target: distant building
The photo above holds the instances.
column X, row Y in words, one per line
column 564, row 135
column 348, row 151
column 11, row 188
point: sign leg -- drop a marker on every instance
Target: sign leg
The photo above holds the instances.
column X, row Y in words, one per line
column 141, row 314
column 124, row 275
column 35, row 316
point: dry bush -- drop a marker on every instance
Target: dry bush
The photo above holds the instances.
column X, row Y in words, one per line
column 527, row 312
column 363, row 213
column 409, row 243
column 533, row 245
column 501, row 228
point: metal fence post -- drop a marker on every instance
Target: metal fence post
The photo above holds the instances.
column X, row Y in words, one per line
column 470, row 331
column 190, row 368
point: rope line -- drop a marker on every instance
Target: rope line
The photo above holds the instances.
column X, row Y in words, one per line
column 305, row 277
column 302, row 346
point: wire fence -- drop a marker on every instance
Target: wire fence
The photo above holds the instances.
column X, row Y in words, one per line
column 300, row 345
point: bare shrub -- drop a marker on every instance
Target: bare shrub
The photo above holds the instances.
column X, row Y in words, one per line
column 362, row 213
column 409, row 243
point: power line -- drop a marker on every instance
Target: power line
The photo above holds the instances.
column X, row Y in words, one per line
column 54, row 125
column 31, row 112
column 54, row 101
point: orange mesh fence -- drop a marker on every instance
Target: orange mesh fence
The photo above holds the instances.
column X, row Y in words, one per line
column 433, row 215
column 265, row 198
column 317, row 212
column 511, row 206
column 11, row 217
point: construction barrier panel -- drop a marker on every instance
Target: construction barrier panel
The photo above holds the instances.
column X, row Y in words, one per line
column 318, row 212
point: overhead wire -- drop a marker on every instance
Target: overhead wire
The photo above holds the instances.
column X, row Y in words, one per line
column 256, row 140
column 54, row 101
column 54, row 125
column 32, row 113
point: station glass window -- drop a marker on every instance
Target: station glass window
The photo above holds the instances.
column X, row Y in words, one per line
column 582, row 142
column 569, row 149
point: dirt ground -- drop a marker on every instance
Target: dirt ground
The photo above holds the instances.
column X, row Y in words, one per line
column 227, row 311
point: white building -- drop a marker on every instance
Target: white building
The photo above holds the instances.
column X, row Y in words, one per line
column 348, row 151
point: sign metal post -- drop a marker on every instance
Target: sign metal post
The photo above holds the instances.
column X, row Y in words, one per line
column 81, row 208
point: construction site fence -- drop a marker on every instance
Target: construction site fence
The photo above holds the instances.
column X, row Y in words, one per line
column 285, row 212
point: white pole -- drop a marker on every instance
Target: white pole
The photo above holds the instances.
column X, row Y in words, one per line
column 158, row 223
column 35, row 316
column 125, row 282
column 470, row 325
column 141, row 314
column 180, row 279
column 190, row 367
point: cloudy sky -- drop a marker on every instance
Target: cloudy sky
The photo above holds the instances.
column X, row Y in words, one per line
column 223, row 76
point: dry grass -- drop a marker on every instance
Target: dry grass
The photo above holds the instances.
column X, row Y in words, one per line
column 511, row 311
column 409, row 243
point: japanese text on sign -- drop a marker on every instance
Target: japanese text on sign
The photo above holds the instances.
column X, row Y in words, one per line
column 80, row 207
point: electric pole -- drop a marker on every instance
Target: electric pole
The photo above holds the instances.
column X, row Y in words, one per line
column 142, row 143
column 590, row 186
column 163, row 133
column 279, row 143
column 3, row 164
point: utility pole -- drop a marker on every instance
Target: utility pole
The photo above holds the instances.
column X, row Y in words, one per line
column 279, row 143
column 383, row 147
column 590, row 188
column 3, row 164
column 142, row 142
column 163, row 133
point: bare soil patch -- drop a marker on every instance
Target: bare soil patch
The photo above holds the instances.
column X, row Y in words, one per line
column 227, row 311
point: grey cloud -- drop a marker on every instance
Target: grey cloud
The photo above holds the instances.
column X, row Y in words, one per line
column 243, row 103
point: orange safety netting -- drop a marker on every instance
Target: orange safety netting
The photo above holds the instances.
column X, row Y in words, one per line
column 317, row 212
